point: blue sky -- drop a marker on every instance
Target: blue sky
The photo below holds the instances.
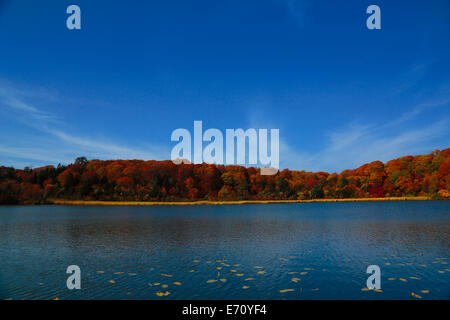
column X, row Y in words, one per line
column 341, row 95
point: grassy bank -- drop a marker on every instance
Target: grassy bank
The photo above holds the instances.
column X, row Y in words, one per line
column 206, row 202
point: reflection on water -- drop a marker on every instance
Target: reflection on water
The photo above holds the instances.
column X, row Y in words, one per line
column 278, row 251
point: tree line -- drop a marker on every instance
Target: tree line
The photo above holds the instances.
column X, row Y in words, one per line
column 138, row 180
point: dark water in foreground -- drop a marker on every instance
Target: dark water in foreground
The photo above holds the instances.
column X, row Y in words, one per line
column 258, row 249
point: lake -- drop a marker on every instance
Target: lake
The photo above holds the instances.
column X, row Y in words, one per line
column 304, row 250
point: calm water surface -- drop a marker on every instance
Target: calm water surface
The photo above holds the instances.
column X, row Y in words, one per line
column 320, row 250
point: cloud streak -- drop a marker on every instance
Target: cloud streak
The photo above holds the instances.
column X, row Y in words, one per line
column 348, row 147
column 297, row 10
column 358, row 143
column 45, row 149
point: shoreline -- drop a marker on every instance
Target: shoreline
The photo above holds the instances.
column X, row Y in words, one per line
column 209, row 202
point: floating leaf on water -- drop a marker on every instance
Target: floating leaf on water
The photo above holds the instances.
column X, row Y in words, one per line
column 208, row 261
column 414, row 278
column 416, row 295
column 303, row 273
column 236, row 265
column 118, row 272
column 56, row 298
column 219, row 268
column 286, row 290
column 391, row 279
column 423, row 265
column 292, row 272
column 295, row 280
column 225, row 265
column 425, row 291
column 402, row 279
column 139, row 267
column 162, row 294
column 239, row 274
column 257, row 267
column 365, row 289
column 245, row 287
column 223, row 280
column 156, row 284
column 233, row 270
column 100, row 272
column 401, row 264
column 128, row 293
column 440, row 271
column 164, row 286
column 111, row 281
column 211, row 281
column 177, row 283
column 166, row 275
column 132, row 274
column 249, row 279
column 261, row 272
column 283, row 259
column 308, row 268
column 191, row 270
column 388, row 263
column 377, row 290
column 195, row 261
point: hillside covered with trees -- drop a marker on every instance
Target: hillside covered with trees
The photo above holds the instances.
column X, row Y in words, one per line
column 137, row 180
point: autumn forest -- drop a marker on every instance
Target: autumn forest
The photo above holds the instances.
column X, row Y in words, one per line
column 137, row 180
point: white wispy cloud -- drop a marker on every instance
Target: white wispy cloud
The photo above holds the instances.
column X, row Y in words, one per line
column 297, row 9
column 108, row 149
column 11, row 100
column 52, row 142
column 356, row 143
